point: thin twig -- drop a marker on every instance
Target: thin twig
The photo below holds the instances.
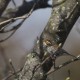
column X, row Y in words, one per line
column 17, row 18
column 64, row 64
column 14, row 71
column 14, row 3
column 17, row 26
column 9, row 76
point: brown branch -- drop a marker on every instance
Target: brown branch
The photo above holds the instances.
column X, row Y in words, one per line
column 63, row 65
column 15, row 28
column 14, row 19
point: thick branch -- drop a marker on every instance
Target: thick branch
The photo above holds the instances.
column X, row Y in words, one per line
column 63, row 16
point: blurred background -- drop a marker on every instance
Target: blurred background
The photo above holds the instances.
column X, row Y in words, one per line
column 22, row 42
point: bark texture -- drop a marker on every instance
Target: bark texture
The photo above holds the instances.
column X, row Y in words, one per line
column 28, row 72
column 62, row 19
column 64, row 15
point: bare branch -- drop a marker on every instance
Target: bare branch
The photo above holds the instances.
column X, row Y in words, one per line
column 24, row 17
column 64, row 64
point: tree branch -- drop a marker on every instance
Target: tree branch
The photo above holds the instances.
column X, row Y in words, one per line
column 63, row 65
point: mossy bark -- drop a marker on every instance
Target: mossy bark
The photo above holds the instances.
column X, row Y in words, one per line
column 68, row 10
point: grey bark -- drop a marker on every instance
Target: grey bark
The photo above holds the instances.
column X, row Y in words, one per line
column 65, row 11
column 28, row 72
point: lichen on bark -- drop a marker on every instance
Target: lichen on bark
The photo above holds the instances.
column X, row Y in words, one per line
column 29, row 71
column 59, row 13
